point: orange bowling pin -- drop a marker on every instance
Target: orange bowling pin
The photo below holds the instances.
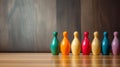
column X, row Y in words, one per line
column 65, row 44
column 75, row 45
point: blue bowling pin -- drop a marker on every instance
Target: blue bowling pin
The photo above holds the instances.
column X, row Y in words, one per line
column 55, row 46
column 105, row 44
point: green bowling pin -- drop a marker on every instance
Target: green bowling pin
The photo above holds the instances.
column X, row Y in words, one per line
column 54, row 46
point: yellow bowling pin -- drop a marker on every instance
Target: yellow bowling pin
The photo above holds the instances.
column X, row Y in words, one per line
column 96, row 47
column 75, row 45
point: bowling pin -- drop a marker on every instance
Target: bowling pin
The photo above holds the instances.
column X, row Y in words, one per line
column 86, row 46
column 75, row 45
column 105, row 44
column 115, row 44
column 96, row 47
column 65, row 44
column 54, row 46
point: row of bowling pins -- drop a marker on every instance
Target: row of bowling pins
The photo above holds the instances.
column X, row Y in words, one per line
column 76, row 47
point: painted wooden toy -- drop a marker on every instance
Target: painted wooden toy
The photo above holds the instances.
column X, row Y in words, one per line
column 105, row 44
column 75, row 45
column 65, row 44
column 115, row 44
column 54, row 46
column 96, row 46
column 86, row 46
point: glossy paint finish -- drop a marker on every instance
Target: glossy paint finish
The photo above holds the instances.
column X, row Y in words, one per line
column 105, row 44
column 65, row 44
column 55, row 46
column 96, row 46
column 115, row 44
column 86, row 46
column 75, row 45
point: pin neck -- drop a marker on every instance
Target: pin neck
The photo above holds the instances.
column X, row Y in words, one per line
column 86, row 36
column 75, row 34
column 75, row 37
column 65, row 34
column 105, row 36
column 115, row 36
column 55, row 34
column 95, row 36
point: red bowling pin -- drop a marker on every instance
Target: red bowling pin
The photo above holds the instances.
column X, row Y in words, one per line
column 86, row 47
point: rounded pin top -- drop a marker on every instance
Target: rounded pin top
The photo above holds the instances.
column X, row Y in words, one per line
column 65, row 33
column 55, row 33
column 86, row 34
column 105, row 33
column 76, row 34
column 115, row 33
column 96, row 33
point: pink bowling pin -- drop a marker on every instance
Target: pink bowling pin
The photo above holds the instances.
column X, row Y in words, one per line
column 115, row 44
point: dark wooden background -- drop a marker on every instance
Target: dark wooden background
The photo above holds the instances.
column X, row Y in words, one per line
column 27, row 25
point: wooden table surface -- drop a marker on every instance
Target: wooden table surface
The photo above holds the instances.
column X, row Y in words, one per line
column 47, row 60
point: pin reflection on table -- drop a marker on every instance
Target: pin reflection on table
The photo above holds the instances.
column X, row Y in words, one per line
column 85, row 61
column 96, row 61
column 65, row 61
column 75, row 61
column 55, row 61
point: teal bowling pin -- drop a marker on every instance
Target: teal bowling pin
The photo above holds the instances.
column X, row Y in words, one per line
column 105, row 44
column 54, row 46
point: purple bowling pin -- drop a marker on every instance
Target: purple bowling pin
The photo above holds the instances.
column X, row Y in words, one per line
column 115, row 44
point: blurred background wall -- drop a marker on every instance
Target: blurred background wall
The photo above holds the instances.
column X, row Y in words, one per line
column 27, row 25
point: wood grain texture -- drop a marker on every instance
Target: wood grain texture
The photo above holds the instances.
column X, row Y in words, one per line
column 27, row 25
column 45, row 25
column 100, row 15
column 68, row 17
column 47, row 60
column 4, row 29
